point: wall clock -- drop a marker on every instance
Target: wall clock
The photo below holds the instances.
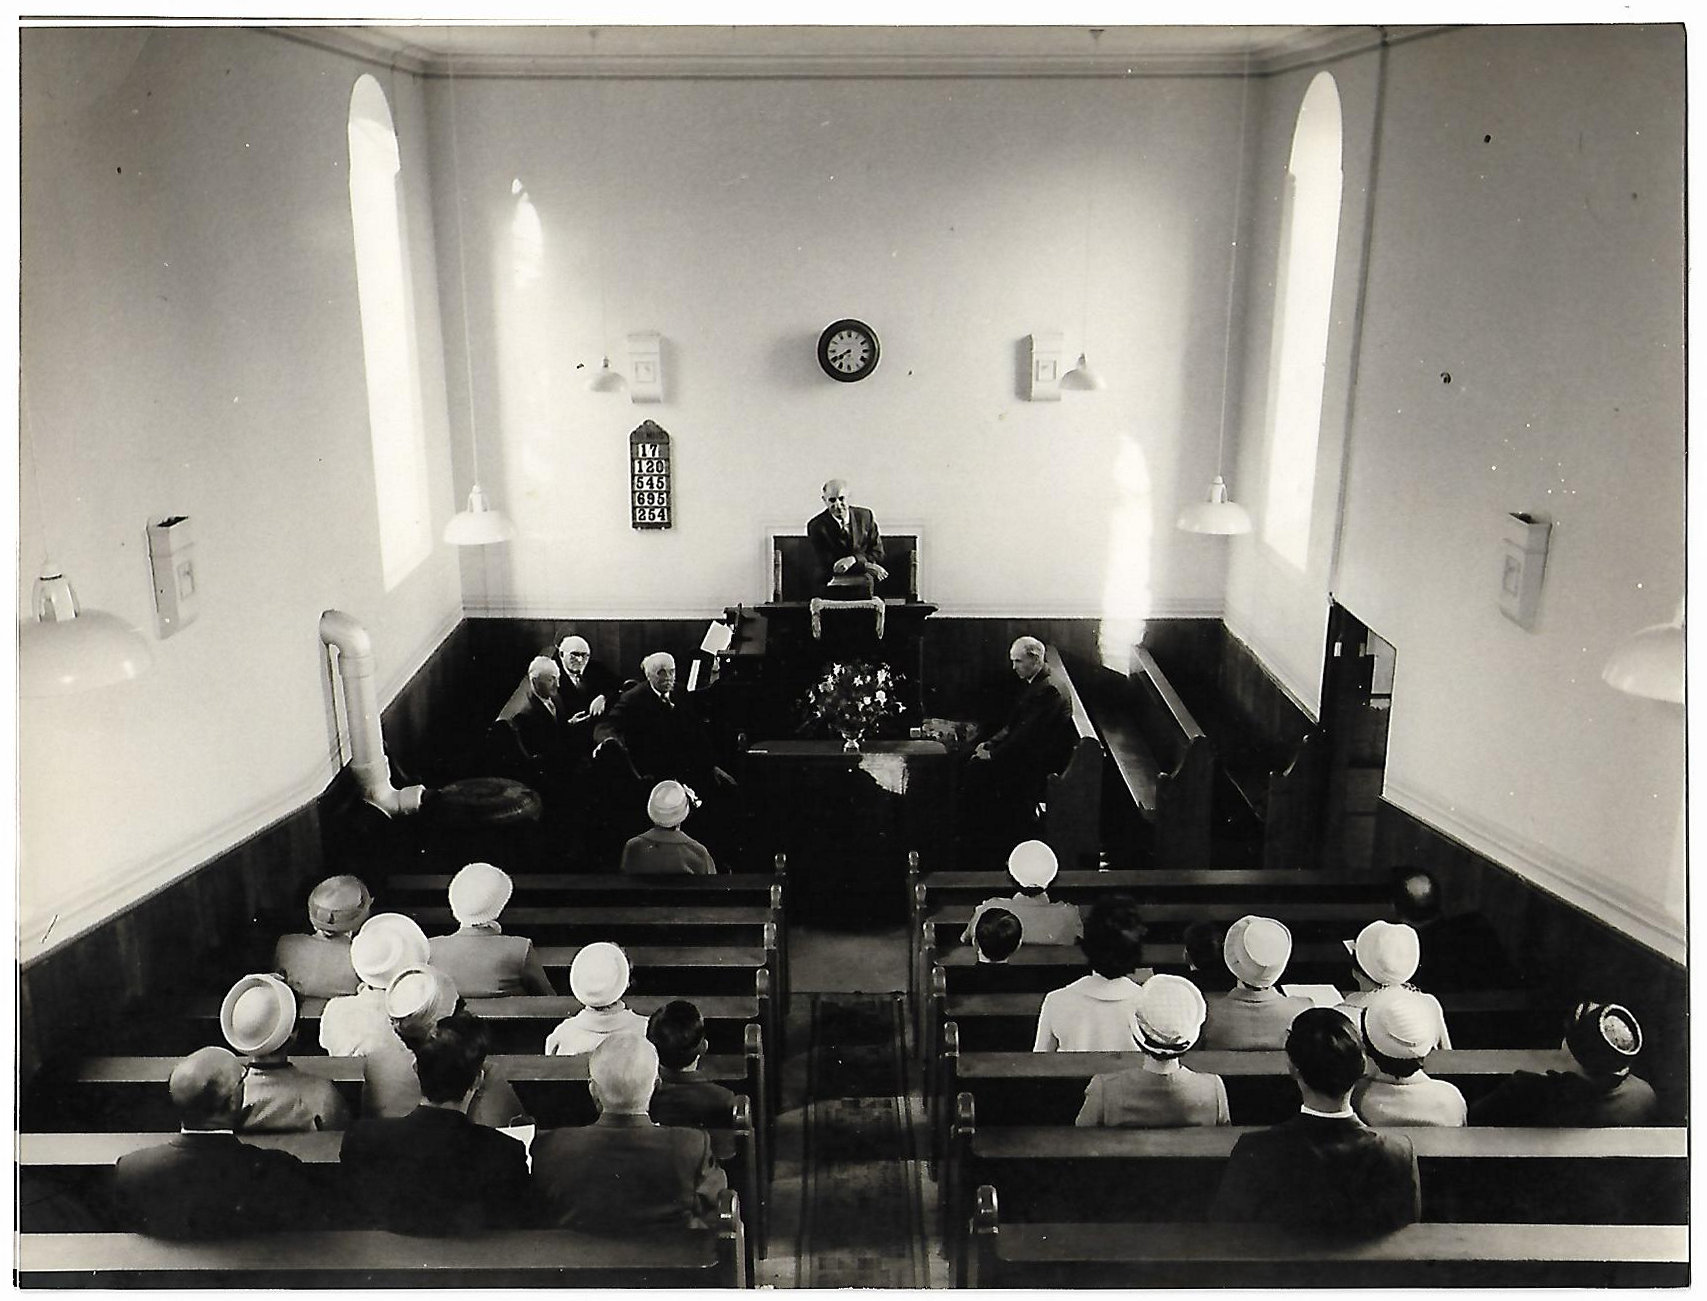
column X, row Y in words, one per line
column 848, row 350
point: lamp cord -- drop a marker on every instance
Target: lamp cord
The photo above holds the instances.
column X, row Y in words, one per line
column 1233, row 261
column 462, row 277
column 35, row 472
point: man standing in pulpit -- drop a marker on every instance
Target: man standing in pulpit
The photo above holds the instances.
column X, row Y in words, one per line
column 847, row 544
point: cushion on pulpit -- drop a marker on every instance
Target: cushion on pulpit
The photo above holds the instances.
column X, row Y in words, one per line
column 795, row 575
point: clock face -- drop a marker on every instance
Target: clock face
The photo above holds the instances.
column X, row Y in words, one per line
column 847, row 350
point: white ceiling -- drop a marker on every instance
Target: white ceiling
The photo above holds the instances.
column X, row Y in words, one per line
column 736, row 51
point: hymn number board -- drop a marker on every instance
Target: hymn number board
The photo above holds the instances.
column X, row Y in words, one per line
column 650, row 504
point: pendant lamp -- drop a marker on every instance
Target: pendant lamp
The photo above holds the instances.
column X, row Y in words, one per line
column 606, row 380
column 1083, row 378
column 1649, row 663
column 479, row 525
column 1216, row 514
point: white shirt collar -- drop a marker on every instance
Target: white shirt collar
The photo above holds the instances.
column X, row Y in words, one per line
column 1344, row 1113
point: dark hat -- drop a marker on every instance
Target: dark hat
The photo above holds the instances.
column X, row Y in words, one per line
column 1603, row 1037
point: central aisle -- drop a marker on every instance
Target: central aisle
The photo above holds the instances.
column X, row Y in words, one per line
column 853, row 1204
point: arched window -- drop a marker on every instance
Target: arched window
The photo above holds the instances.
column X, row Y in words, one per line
column 388, row 336
column 1310, row 223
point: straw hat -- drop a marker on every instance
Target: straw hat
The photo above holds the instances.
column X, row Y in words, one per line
column 1032, row 865
column 1401, row 1023
column 258, row 1015
column 669, row 804
column 386, row 945
column 1388, row 952
column 1257, row 950
column 1169, row 1012
column 479, row 892
column 339, row 904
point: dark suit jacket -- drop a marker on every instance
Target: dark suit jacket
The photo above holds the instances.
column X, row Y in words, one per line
column 1315, row 1173
column 1037, row 737
column 596, row 681
column 434, row 1172
column 215, row 1186
column 830, row 544
column 1463, row 953
column 543, row 739
column 682, row 1098
column 625, row 1175
column 662, row 740
column 1566, row 1099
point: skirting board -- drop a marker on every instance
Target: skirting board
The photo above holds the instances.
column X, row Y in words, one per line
column 1573, row 882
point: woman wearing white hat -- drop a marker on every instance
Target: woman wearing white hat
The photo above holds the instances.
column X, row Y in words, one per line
column 387, row 945
column 664, row 849
column 258, row 1020
column 1160, row 1092
column 1400, row 1029
column 1032, row 866
column 1385, row 956
column 418, row 1001
column 1253, row 1014
column 482, row 960
column 599, row 978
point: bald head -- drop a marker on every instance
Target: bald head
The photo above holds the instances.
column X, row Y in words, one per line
column 836, row 498
column 1416, row 895
column 207, row 1088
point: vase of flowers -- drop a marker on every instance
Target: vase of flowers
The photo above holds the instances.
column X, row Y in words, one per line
column 853, row 701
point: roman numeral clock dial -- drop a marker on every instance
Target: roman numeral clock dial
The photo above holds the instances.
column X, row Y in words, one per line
column 847, row 350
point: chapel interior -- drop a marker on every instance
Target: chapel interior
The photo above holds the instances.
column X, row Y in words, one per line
column 1413, row 295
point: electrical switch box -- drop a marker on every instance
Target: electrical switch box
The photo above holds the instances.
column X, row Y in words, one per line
column 172, row 558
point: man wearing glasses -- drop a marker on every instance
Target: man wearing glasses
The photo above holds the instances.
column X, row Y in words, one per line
column 584, row 691
column 848, row 546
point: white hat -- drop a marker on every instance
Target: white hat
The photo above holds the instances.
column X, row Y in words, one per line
column 668, row 804
column 1032, row 865
column 599, row 974
column 1169, row 1012
column 339, row 904
column 479, row 892
column 1388, row 952
column 388, row 943
column 1401, row 1023
column 258, row 1015
column 1257, row 950
column 421, row 990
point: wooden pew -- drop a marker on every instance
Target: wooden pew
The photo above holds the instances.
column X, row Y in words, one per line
column 1049, row 1088
column 84, row 1162
column 1159, row 885
column 1553, row 1176
column 571, row 889
column 1163, row 758
column 515, row 1023
column 1063, row 1255
column 1310, row 919
column 1513, row 1018
column 129, row 1093
column 373, row 1258
column 623, row 924
column 1072, row 798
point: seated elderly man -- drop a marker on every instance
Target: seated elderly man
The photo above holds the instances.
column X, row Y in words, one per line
column 206, row 1183
column 1400, row 1029
column 258, row 1019
column 1003, row 778
column 317, row 965
column 585, row 690
column 625, row 1175
column 537, row 722
column 434, row 1171
column 481, row 960
column 1324, row 1169
column 663, row 735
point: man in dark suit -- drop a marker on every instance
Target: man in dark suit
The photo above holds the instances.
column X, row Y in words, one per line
column 677, row 1031
column 664, row 736
column 538, row 721
column 846, row 542
column 1461, row 953
column 434, row 1171
column 205, row 1183
column 1323, row 1170
column 1004, row 776
column 585, row 690
column 625, row 1175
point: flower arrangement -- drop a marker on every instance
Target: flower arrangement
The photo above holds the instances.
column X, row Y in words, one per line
column 853, row 700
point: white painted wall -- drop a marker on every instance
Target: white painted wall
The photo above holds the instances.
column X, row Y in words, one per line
column 739, row 218
column 1541, row 269
column 191, row 345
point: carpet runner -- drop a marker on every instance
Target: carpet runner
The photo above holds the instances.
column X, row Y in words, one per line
column 862, row 1218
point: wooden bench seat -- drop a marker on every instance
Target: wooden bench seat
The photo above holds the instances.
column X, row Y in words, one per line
column 623, row 924
column 1045, row 967
column 1159, row 885
column 515, row 1023
column 1135, row 1176
column 1307, row 919
column 1072, row 798
column 129, row 1093
column 373, row 1258
column 1163, row 759
column 751, row 889
column 1175, row 1255
column 1025, row 1088
column 82, row 1165
column 1485, row 1019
